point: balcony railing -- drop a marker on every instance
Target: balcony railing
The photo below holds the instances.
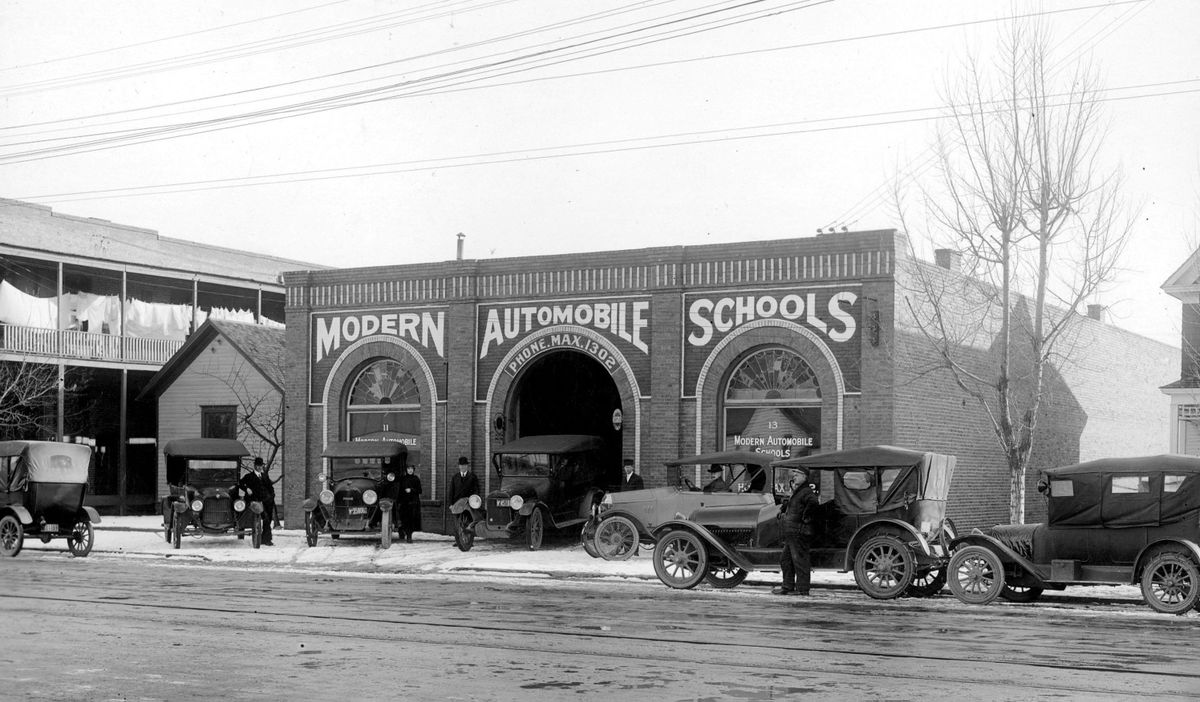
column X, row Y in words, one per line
column 61, row 343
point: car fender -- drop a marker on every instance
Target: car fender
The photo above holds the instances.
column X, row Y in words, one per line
column 461, row 505
column 641, row 526
column 385, row 505
column 180, row 506
column 23, row 516
column 256, row 507
column 1007, row 555
column 1144, row 555
column 529, row 506
column 869, row 529
column 92, row 515
column 706, row 536
column 309, row 505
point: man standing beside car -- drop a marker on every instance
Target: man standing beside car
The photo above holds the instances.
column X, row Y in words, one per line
column 257, row 486
column 631, row 481
column 464, row 483
column 796, row 527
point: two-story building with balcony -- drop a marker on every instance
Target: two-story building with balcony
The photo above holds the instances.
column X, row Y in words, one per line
column 104, row 306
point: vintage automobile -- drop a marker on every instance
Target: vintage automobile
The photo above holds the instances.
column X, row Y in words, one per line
column 546, row 481
column 357, row 491
column 204, row 497
column 882, row 514
column 42, row 484
column 624, row 520
column 1111, row 521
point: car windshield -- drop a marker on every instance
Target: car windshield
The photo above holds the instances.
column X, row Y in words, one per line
column 342, row 468
column 208, row 471
column 533, row 465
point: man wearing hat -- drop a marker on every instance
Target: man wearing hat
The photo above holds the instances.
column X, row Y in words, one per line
column 631, row 480
column 796, row 525
column 464, row 483
column 257, row 486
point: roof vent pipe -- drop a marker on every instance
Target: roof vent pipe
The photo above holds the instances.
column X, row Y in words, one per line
column 461, row 236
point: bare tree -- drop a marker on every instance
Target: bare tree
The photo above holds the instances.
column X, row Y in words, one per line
column 260, row 406
column 28, row 399
column 1022, row 196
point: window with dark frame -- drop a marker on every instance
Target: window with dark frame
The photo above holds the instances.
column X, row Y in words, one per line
column 218, row 422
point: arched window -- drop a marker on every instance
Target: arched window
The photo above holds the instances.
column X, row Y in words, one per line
column 384, row 403
column 772, row 404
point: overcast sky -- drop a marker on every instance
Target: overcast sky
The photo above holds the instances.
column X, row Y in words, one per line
column 383, row 129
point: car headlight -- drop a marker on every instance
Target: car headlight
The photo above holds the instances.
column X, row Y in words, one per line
column 239, row 505
column 197, row 505
column 475, row 501
column 391, row 477
column 327, row 497
column 370, row 498
column 321, row 477
column 516, row 502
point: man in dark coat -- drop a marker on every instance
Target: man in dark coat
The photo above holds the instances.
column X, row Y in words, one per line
column 257, row 486
column 631, row 481
column 796, row 519
column 464, row 483
column 410, row 503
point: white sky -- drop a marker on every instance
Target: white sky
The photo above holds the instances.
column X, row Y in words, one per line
column 64, row 60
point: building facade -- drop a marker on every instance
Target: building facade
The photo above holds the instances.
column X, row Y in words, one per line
column 1184, row 392
column 102, row 307
column 785, row 347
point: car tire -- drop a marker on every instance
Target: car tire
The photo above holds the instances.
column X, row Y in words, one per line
column 311, row 529
column 1020, row 593
column 616, row 538
column 168, row 526
column 725, row 576
column 884, row 567
column 385, row 530
column 976, row 575
column 464, row 535
column 176, row 531
column 927, row 584
column 1171, row 582
column 83, row 534
column 535, row 529
column 680, row 560
column 587, row 539
column 12, row 536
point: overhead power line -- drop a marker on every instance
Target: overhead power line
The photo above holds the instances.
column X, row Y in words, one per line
column 543, row 153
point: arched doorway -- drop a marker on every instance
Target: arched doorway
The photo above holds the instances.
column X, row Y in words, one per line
column 567, row 392
column 772, row 404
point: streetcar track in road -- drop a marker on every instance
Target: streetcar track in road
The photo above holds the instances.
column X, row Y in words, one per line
column 768, row 651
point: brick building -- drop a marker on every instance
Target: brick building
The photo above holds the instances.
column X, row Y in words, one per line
column 788, row 347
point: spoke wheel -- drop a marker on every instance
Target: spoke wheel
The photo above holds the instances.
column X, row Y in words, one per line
column 680, row 560
column 1171, row 583
column 81, row 539
column 1020, row 593
column 176, row 531
column 725, row 576
column 12, row 536
column 976, row 575
column 311, row 528
column 464, row 535
column 587, row 537
column 385, row 530
column 884, row 567
column 927, row 584
column 616, row 539
column 535, row 527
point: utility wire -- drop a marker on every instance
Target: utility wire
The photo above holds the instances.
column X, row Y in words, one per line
column 517, row 156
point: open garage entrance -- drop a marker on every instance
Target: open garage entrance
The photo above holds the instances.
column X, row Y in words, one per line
column 567, row 392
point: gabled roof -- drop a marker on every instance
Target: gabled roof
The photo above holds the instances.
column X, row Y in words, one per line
column 262, row 347
column 1184, row 283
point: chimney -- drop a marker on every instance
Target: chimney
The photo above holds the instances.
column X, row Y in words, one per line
column 1098, row 312
column 461, row 236
column 947, row 258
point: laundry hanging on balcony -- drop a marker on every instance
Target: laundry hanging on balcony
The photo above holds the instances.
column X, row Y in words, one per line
column 23, row 309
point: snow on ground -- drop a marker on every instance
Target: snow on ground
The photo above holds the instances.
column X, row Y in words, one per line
column 432, row 554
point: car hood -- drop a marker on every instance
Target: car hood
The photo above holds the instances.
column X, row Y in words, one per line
column 630, row 497
column 525, row 488
column 734, row 516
